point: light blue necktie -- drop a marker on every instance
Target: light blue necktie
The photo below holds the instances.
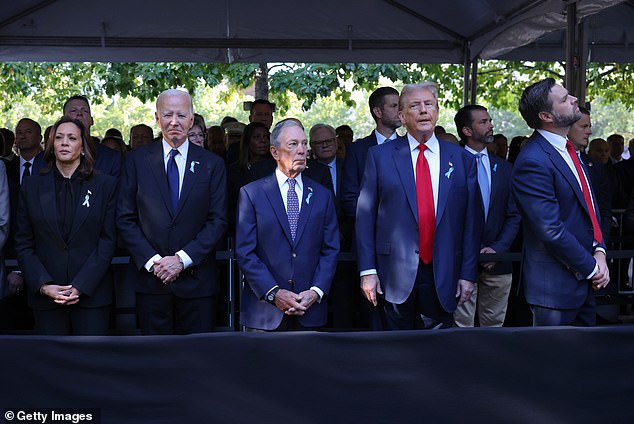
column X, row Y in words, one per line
column 483, row 182
column 292, row 207
column 173, row 179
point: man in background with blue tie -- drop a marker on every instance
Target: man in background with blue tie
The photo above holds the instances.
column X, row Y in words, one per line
column 500, row 225
column 287, row 241
column 171, row 214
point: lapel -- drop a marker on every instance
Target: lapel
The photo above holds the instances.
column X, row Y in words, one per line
column 495, row 183
column 403, row 163
column 562, row 167
column 48, row 203
column 87, row 198
column 157, row 167
column 192, row 169
column 304, row 213
column 272, row 192
column 339, row 167
column 447, row 164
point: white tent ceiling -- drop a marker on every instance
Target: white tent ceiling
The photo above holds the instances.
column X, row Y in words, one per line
column 328, row 31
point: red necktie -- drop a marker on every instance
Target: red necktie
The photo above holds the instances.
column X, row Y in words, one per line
column 596, row 230
column 426, row 212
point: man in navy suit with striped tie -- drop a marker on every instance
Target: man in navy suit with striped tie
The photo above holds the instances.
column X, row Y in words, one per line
column 287, row 241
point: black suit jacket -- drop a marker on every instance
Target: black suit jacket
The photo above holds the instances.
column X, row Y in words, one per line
column 503, row 221
column 45, row 257
column 148, row 226
column 601, row 188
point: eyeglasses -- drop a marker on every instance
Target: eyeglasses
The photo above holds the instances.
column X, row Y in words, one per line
column 196, row 135
column 324, row 142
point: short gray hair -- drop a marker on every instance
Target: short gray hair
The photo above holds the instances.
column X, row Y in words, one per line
column 277, row 130
column 318, row 127
column 175, row 92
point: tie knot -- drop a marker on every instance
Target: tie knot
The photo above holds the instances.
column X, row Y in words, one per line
column 174, row 153
column 569, row 146
column 27, row 165
column 479, row 155
column 422, row 147
column 291, row 183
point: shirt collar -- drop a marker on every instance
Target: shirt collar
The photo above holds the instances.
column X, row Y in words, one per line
column 23, row 161
column 432, row 144
column 281, row 179
column 484, row 151
column 380, row 138
column 557, row 141
column 183, row 149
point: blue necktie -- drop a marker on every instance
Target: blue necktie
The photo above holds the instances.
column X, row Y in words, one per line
column 172, row 178
column 483, row 182
column 292, row 207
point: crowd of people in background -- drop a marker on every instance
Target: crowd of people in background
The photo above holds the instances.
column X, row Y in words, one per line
column 414, row 211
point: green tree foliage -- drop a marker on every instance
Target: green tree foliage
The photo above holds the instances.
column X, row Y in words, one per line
column 39, row 89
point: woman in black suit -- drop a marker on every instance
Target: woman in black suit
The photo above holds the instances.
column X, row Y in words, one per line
column 65, row 236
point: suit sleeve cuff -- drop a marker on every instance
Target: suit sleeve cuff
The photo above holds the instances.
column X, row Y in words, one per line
column 319, row 292
column 150, row 263
column 594, row 271
column 187, row 261
column 367, row 272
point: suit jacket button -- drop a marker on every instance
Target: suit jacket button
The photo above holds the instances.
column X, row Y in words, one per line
column 294, row 255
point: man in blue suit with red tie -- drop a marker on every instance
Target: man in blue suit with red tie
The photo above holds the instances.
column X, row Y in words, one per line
column 418, row 225
column 564, row 253
column 171, row 213
column 500, row 221
column 287, row 241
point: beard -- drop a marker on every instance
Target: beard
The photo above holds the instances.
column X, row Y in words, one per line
column 566, row 121
column 485, row 138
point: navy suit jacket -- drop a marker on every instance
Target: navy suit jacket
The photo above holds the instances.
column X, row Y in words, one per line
column 268, row 256
column 83, row 260
column 353, row 167
column 387, row 221
column 148, row 226
column 107, row 161
column 558, row 238
column 503, row 221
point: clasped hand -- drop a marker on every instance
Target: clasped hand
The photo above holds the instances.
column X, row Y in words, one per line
column 63, row 295
column 168, row 268
column 292, row 303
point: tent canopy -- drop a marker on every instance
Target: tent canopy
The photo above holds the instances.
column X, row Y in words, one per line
column 328, row 31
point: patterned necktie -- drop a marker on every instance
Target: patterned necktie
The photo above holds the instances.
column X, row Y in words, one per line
column 173, row 178
column 596, row 230
column 27, row 169
column 292, row 207
column 483, row 182
column 426, row 211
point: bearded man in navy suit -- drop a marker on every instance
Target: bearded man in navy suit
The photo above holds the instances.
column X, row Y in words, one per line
column 563, row 260
column 500, row 221
column 287, row 241
column 171, row 213
column 418, row 223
